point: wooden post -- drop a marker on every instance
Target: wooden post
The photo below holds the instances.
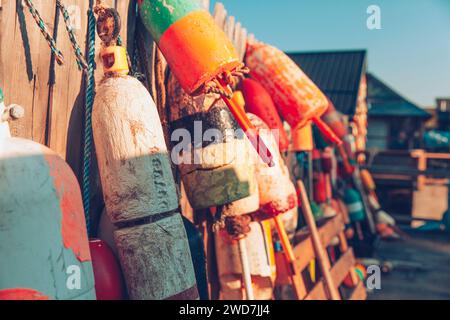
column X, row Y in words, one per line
column 289, row 258
column 322, row 257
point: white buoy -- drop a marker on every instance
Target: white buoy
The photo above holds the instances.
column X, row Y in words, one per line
column 139, row 191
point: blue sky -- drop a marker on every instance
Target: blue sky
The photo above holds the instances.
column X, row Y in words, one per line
column 411, row 52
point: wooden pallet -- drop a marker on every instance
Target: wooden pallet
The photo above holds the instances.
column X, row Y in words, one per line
column 304, row 252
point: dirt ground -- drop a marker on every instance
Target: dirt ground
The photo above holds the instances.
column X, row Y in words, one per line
column 421, row 267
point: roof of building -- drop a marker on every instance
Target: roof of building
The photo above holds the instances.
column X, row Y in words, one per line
column 337, row 73
column 385, row 101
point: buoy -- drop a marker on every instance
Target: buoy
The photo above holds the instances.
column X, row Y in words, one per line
column 277, row 193
column 213, row 162
column 109, row 284
column 139, row 190
column 259, row 103
column 297, row 98
column 259, row 246
column 196, row 49
column 354, row 205
column 43, row 244
column 237, row 219
column 199, row 53
column 41, row 201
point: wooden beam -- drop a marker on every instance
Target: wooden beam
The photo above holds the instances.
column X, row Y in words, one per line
column 304, row 250
column 341, row 269
column 319, row 248
column 24, row 65
column 359, row 293
column 338, row 272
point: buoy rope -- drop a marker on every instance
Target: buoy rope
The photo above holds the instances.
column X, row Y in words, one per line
column 42, row 26
column 81, row 61
column 238, row 226
column 89, row 101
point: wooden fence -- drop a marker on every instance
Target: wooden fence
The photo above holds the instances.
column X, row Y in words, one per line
column 53, row 109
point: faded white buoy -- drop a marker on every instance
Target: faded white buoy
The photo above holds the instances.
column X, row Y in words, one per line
column 139, row 190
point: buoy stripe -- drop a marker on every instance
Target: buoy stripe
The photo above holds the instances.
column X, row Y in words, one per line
column 147, row 220
column 217, row 119
column 158, row 16
column 355, row 207
column 22, row 294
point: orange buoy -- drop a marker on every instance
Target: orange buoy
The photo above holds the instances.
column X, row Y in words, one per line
column 199, row 54
column 196, row 49
column 297, row 98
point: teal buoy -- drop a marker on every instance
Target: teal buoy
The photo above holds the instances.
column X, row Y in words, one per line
column 354, row 204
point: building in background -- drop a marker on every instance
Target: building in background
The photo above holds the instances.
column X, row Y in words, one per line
column 395, row 122
column 443, row 113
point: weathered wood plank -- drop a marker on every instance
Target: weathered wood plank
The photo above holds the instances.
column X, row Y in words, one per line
column 359, row 293
column 24, row 60
column 304, row 250
column 341, row 269
column 338, row 272
column 66, row 103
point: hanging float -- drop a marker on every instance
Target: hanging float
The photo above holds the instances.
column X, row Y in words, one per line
column 44, row 246
column 199, row 53
column 213, row 163
column 138, row 186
